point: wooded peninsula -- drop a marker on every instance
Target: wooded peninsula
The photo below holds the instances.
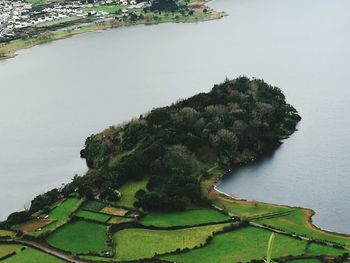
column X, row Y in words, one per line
column 149, row 195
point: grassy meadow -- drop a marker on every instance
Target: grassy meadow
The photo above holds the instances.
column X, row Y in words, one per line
column 229, row 247
column 26, row 255
column 128, row 191
column 102, row 218
column 80, row 237
column 186, row 218
column 136, row 243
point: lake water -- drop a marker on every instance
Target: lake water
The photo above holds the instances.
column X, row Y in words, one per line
column 55, row 95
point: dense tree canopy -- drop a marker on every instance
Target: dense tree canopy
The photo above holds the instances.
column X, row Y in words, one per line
column 237, row 121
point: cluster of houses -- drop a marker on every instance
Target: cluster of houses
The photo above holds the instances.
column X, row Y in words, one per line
column 17, row 15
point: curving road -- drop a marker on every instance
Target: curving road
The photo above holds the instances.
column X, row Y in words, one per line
column 44, row 248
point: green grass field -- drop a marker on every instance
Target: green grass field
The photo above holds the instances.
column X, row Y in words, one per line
column 61, row 214
column 93, row 205
column 317, row 249
column 128, row 191
column 135, row 243
column 28, row 255
column 93, row 216
column 7, row 233
column 115, row 220
column 249, row 209
column 80, row 237
column 297, row 222
column 6, row 249
column 292, row 220
column 186, row 218
column 241, row 245
column 250, row 243
column 305, row 261
column 106, row 8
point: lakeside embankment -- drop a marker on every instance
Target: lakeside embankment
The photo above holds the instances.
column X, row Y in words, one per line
column 201, row 13
column 291, row 219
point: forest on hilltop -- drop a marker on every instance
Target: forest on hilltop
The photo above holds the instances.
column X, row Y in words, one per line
column 238, row 121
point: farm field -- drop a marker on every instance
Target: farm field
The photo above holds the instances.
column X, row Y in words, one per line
column 7, row 233
column 317, row 249
column 93, row 205
column 134, row 243
column 186, row 218
column 228, row 247
column 106, row 8
column 27, row 255
column 292, row 220
column 33, row 225
column 248, row 209
column 80, row 237
column 60, row 214
column 118, row 220
column 128, row 191
column 114, row 211
column 93, row 216
column 297, row 222
column 304, row 261
column 6, row 249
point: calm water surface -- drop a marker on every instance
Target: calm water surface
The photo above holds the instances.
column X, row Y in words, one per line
column 55, row 95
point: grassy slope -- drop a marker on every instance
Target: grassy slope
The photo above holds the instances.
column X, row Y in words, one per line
column 29, row 255
column 142, row 243
column 186, row 218
column 93, row 205
column 93, row 216
column 128, row 191
column 7, row 233
column 6, row 249
column 80, row 237
column 294, row 220
column 118, row 220
column 317, row 249
column 298, row 222
column 305, row 261
column 241, row 245
column 106, row 8
column 61, row 214
column 289, row 219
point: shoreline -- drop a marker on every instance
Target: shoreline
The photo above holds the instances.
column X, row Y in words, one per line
column 10, row 49
column 309, row 212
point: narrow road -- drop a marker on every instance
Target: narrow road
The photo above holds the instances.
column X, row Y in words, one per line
column 46, row 249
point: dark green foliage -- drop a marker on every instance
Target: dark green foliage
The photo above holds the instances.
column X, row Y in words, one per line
column 164, row 5
column 237, row 121
column 44, row 200
column 18, row 217
column 93, row 148
column 93, row 206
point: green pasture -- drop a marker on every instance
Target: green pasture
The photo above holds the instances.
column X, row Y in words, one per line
column 136, row 243
column 241, row 245
column 93, row 205
column 128, row 191
column 60, row 214
column 103, row 218
column 185, row 218
column 80, row 237
column 26, row 255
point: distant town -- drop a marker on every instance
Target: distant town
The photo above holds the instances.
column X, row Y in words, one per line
column 26, row 23
column 19, row 19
